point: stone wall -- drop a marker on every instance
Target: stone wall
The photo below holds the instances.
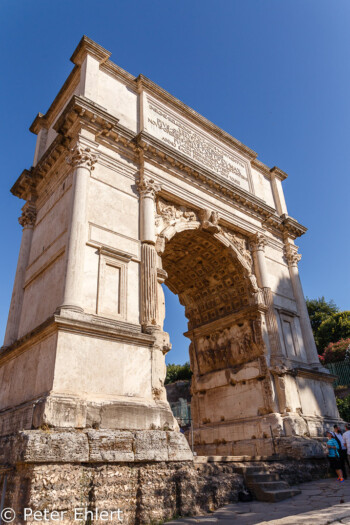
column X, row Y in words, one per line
column 146, row 493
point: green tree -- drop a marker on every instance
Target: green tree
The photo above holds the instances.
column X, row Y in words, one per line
column 178, row 372
column 334, row 328
column 344, row 408
column 319, row 311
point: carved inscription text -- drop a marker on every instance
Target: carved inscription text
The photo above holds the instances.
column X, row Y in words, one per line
column 189, row 141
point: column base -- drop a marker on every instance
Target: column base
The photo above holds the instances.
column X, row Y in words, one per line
column 70, row 308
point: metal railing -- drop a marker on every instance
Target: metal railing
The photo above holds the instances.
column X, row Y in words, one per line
column 342, row 371
column 181, row 410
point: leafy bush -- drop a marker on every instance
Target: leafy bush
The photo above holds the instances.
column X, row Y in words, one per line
column 333, row 329
column 344, row 408
column 336, row 352
column 178, row 372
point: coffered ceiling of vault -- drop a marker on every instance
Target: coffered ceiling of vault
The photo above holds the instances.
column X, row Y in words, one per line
column 206, row 276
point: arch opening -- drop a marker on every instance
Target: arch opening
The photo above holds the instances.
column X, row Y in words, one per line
column 230, row 387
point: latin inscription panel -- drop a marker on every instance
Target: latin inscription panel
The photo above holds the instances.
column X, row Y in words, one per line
column 178, row 133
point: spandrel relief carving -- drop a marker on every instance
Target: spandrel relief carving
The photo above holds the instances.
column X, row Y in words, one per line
column 229, row 347
column 167, row 213
column 241, row 243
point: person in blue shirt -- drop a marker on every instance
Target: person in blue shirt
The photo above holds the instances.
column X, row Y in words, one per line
column 334, row 456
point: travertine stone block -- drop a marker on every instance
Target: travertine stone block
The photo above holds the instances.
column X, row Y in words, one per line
column 40, row 446
column 178, row 449
column 113, row 445
column 151, row 446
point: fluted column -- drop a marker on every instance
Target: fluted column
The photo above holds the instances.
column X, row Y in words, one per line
column 82, row 160
column 258, row 244
column 149, row 283
column 293, row 257
column 27, row 221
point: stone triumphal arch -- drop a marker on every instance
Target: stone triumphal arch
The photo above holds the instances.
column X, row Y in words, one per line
column 129, row 189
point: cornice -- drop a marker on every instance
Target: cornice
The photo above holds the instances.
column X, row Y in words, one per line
column 86, row 47
column 260, row 166
column 118, row 72
column 89, row 325
column 315, row 374
column 79, row 112
column 83, row 108
column 286, row 225
column 104, row 329
column 28, row 181
column 270, row 220
column 25, row 185
column 292, row 226
column 44, row 121
column 281, row 175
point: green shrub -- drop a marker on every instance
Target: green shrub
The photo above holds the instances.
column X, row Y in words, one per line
column 178, row 373
column 344, row 408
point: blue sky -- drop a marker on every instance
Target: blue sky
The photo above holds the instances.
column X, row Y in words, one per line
column 273, row 73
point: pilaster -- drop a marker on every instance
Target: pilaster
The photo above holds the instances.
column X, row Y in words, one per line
column 27, row 221
column 293, row 257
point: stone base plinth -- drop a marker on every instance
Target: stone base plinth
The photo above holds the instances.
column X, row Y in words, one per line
column 288, row 435
column 142, row 477
column 146, row 476
column 281, row 447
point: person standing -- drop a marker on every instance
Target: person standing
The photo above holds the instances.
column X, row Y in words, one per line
column 333, row 455
column 343, row 456
column 346, row 439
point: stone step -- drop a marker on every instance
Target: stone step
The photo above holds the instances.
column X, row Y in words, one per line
column 269, row 485
column 260, row 478
column 266, row 486
column 248, row 471
column 276, row 495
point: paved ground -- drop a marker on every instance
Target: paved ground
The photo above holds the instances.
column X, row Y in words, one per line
column 321, row 502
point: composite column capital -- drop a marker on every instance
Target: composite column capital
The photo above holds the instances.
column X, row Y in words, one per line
column 81, row 156
column 292, row 255
column 148, row 187
column 28, row 217
column 258, row 242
